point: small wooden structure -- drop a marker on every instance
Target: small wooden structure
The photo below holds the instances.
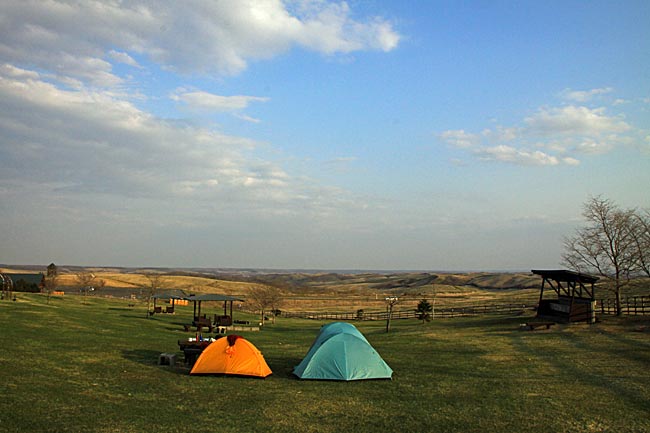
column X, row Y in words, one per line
column 575, row 299
column 171, row 296
column 225, row 319
column 52, row 271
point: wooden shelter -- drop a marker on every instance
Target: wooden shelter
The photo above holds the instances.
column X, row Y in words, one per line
column 21, row 283
column 574, row 299
column 172, row 295
column 219, row 320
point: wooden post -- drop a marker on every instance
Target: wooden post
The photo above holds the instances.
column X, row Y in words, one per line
column 390, row 302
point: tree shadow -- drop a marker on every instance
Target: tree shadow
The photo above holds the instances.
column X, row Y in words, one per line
column 582, row 372
column 151, row 358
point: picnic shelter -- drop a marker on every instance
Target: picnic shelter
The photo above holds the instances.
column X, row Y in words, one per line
column 574, row 296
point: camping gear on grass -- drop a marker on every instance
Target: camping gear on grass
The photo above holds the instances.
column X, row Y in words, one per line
column 231, row 355
column 341, row 352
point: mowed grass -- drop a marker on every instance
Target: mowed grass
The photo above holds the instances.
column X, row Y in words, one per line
column 70, row 366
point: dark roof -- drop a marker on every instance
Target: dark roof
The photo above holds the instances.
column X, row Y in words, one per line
column 212, row 297
column 564, row 275
column 171, row 294
column 27, row 278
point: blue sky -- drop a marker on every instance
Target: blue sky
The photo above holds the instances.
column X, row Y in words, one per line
column 323, row 135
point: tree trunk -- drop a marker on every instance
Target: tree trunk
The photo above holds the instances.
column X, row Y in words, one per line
column 619, row 307
column 388, row 316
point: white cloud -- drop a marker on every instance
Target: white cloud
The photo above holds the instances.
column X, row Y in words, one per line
column 584, row 95
column 574, row 120
column 501, row 133
column 247, row 118
column 122, row 57
column 570, row 161
column 72, row 38
column 328, row 28
column 460, row 138
column 503, row 153
column 551, row 136
column 92, row 144
column 8, row 70
column 593, row 147
column 204, row 101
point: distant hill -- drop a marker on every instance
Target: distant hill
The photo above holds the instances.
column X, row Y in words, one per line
column 312, row 282
column 337, row 282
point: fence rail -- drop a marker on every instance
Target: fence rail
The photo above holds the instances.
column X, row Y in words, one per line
column 634, row 306
column 443, row 312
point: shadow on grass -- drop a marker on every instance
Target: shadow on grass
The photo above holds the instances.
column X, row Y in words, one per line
column 581, row 372
column 150, row 358
column 492, row 324
column 142, row 356
column 283, row 367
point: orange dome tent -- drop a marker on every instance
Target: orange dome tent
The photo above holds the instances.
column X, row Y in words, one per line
column 232, row 355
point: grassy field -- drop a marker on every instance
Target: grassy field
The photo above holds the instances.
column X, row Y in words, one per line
column 72, row 366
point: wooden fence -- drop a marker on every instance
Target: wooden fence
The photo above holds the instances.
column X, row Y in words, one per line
column 443, row 312
column 634, row 306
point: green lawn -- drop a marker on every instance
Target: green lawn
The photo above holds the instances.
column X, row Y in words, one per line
column 74, row 367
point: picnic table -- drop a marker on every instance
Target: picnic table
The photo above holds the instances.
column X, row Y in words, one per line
column 192, row 349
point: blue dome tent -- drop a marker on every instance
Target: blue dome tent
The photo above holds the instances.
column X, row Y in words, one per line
column 341, row 352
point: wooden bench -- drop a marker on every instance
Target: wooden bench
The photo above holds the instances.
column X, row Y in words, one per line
column 531, row 326
column 191, row 354
column 200, row 326
column 203, row 323
column 187, row 327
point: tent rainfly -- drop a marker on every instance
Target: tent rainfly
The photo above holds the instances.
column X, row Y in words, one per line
column 341, row 352
column 232, row 355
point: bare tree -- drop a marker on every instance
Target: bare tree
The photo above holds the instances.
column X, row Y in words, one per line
column 50, row 285
column 605, row 245
column 84, row 281
column 153, row 284
column 641, row 239
column 265, row 298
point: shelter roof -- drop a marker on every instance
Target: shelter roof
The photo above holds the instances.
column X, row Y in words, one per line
column 212, row 297
column 28, row 278
column 565, row 275
column 171, row 294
